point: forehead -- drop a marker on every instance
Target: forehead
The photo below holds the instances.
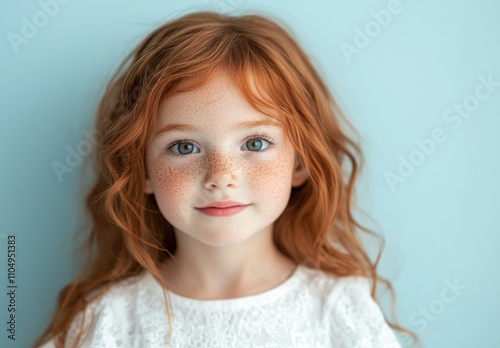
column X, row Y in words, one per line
column 217, row 100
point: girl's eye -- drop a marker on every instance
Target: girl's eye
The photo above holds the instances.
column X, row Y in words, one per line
column 185, row 147
column 255, row 144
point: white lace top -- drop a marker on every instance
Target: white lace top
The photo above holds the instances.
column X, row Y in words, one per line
column 308, row 309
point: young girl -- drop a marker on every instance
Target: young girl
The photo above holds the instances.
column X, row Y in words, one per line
column 222, row 211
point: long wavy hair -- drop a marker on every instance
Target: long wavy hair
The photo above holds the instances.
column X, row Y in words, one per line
column 129, row 234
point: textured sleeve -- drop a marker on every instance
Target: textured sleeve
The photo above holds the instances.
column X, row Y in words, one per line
column 357, row 320
column 102, row 328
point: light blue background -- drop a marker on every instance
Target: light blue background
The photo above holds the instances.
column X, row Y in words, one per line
column 441, row 224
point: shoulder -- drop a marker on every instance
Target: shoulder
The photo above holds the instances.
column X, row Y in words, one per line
column 123, row 291
column 119, row 298
column 338, row 290
column 122, row 299
column 106, row 320
column 350, row 289
column 354, row 319
column 333, row 289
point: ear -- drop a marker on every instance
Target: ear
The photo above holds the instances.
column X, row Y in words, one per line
column 299, row 175
column 148, row 186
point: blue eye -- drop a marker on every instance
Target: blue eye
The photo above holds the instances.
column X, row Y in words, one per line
column 256, row 143
column 185, row 147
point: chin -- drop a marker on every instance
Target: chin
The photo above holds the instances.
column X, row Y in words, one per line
column 220, row 240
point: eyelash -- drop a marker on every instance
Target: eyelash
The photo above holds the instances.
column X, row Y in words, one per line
column 264, row 136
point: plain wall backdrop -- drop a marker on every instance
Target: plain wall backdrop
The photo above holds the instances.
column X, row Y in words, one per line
column 419, row 79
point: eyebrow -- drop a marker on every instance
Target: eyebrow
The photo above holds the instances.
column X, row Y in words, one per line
column 191, row 128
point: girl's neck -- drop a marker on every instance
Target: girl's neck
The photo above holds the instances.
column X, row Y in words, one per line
column 254, row 277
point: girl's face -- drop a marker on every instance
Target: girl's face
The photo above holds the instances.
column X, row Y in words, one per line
column 209, row 148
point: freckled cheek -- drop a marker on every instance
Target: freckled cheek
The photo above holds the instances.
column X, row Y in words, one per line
column 272, row 181
column 173, row 183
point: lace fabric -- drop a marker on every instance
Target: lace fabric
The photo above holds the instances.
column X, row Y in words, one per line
column 309, row 309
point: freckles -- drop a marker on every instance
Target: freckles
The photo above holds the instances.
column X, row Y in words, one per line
column 273, row 178
column 216, row 164
column 172, row 182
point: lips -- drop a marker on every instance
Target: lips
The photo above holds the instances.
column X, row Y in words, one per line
column 220, row 209
column 223, row 204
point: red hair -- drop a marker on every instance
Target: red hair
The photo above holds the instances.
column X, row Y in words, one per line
column 276, row 77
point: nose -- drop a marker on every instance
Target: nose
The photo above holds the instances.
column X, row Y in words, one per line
column 222, row 172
